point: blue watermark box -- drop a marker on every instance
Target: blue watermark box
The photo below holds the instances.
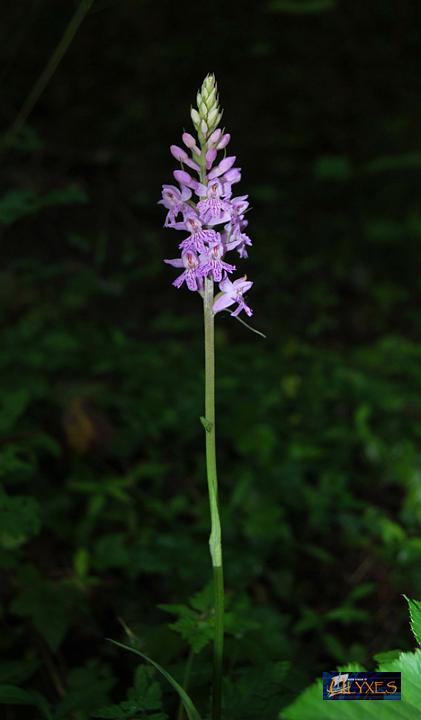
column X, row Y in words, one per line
column 361, row 685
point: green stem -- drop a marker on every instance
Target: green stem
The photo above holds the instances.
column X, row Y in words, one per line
column 215, row 536
column 50, row 68
column 186, row 683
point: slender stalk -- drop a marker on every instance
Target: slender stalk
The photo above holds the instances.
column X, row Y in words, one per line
column 185, row 684
column 49, row 70
column 215, row 545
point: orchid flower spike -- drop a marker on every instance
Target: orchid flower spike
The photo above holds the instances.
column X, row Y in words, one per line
column 202, row 205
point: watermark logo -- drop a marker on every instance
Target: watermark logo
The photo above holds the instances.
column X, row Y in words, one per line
column 361, row 685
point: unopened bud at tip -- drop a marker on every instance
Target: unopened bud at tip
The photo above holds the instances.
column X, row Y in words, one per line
column 195, row 117
column 212, row 116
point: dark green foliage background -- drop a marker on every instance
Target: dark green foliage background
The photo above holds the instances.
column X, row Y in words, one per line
column 103, row 503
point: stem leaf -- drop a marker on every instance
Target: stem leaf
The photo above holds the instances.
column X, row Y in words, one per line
column 189, row 707
column 206, row 424
column 415, row 617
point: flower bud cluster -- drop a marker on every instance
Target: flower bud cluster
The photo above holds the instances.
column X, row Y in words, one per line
column 208, row 114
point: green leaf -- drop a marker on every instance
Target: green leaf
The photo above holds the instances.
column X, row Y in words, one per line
column 332, row 167
column 111, row 551
column 310, row 705
column 405, row 161
column 19, row 519
column 195, row 623
column 87, row 688
column 301, row 7
column 409, row 664
column 13, row 405
column 202, row 601
column 189, row 707
column 144, row 697
column 256, row 692
column 239, row 618
column 197, row 633
column 72, row 194
column 27, row 140
column 17, row 204
column 17, row 671
column 50, row 605
column 15, row 463
column 415, row 616
column 12, row 695
column 81, row 563
column 126, row 710
column 386, row 656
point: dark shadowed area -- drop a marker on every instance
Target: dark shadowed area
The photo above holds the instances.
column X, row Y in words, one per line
column 103, row 502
